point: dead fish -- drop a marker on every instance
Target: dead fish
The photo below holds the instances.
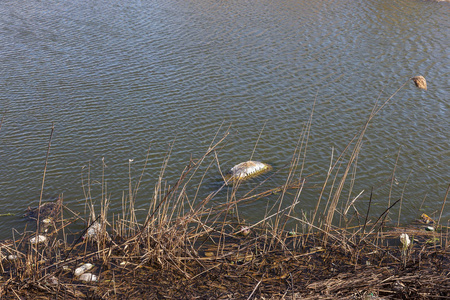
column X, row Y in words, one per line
column 246, row 170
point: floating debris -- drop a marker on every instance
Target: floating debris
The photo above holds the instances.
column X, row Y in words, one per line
column 420, row 82
column 88, row 277
column 426, row 219
column 429, row 228
column 246, row 170
column 404, row 239
column 45, row 210
column 48, row 213
column 95, row 231
column 38, row 239
column 7, row 215
column 83, row 269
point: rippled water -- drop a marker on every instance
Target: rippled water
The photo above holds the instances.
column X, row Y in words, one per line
column 116, row 77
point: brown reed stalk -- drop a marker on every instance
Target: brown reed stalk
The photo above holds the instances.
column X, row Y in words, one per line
column 368, row 210
column 45, row 172
column 168, row 195
column 443, row 205
column 332, row 207
column 138, row 184
column 359, row 139
column 301, row 148
column 401, row 199
column 330, row 169
column 393, row 175
column 132, row 214
column 382, row 217
column 352, row 182
column 289, row 178
column 36, row 245
column 259, row 137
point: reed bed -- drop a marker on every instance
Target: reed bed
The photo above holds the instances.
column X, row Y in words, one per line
column 187, row 248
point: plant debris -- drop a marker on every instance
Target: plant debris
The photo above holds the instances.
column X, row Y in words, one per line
column 420, row 82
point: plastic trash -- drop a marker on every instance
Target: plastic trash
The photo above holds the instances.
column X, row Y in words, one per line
column 88, row 277
column 38, row 239
column 404, row 239
column 83, row 269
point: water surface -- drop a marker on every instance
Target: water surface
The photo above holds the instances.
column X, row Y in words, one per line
column 118, row 77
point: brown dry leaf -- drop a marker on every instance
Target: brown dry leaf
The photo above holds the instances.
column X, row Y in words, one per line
column 420, row 82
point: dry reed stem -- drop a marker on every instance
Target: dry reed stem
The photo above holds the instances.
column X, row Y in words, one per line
column 393, row 175
column 443, row 205
column 259, row 137
column 401, row 198
column 36, row 245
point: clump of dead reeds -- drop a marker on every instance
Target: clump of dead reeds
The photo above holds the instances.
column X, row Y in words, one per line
column 420, row 82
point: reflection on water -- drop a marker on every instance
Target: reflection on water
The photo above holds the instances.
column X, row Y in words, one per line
column 119, row 76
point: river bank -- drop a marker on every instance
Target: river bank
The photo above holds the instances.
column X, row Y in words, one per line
column 191, row 259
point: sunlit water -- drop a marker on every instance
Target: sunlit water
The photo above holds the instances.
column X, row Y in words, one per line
column 118, row 77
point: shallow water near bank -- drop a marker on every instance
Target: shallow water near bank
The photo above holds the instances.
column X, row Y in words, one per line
column 119, row 77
